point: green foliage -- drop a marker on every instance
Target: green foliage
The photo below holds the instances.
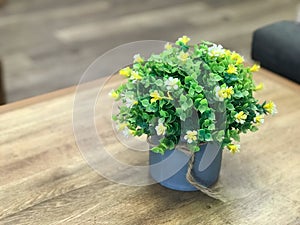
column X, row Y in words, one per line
column 182, row 89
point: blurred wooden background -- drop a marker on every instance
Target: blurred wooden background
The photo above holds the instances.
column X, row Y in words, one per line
column 46, row 45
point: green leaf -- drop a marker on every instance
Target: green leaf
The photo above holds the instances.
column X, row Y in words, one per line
column 197, row 102
column 208, row 137
column 194, row 76
column 220, row 69
column 163, row 113
column 191, row 92
column 199, row 89
column 230, row 106
column 145, row 102
column 206, row 67
column 220, row 136
column 206, row 123
column 158, row 149
column 151, row 108
column 204, row 102
column 194, row 148
column 130, row 86
column 238, row 94
column 245, row 93
column 201, row 134
column 184, row 106
column 253, row 128
column 163, row 145
column 146, row 83
column 168, row 143
column 215, row 77
column 182, row 98
column 211, row 127
column 202, row 108
column 159, row 82
column 234, row 134
column 181, row 113
column 230, row 78
column 189, row 102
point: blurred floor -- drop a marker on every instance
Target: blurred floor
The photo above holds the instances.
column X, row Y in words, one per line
column 46, row 45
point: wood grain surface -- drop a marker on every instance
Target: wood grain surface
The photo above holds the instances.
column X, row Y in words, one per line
column 2, row 92
column 44, row 178
column 46, row 45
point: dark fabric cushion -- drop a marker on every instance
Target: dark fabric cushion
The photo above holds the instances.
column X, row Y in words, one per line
column 277, row 48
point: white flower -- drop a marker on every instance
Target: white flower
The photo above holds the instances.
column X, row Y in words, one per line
column 216, row 50
column 258, row 119
column 130, row 102
column 160, row 129
column 224, row 92
column 219, row 94
column 137, row 58
column 190, row 136
column 172, row 83
column 126, row 132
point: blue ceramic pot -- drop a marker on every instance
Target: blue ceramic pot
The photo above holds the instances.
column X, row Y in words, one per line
column 170, row 169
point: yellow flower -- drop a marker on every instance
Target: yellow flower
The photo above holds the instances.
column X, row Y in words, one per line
column 254, row 68
column 240, row 117
column 169, row 96
column 135, row 103
column 137, row 58
column 227, row 52
column 122, row 126
column 237, row 57
column 223, row 93
column 270, row 107
column 155, row 96
column 228, row 92
column 234, row 56
column 126, row 71
column 115, row 95
column 135, row 75
column 231, row 69
column 191, row 136
column 259, row 87
column 259, row 119
column 184, row 39
column 233, row 148
column 160, row 129
column 183, row 56
column 168, row 46
column 240, row 60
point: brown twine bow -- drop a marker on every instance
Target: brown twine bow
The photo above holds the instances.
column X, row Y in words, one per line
column 213, row 192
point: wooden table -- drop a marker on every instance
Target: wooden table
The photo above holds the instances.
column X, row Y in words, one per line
column 45, row 180
column 2, row 92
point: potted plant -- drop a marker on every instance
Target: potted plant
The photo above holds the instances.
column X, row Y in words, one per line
column 183, row 99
